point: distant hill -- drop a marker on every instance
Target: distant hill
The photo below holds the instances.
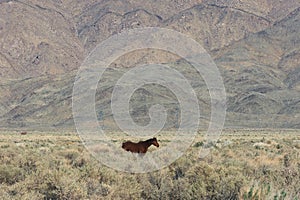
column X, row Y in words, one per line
column 255, row 44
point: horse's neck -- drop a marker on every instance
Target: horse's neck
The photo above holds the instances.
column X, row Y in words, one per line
column 149, row 143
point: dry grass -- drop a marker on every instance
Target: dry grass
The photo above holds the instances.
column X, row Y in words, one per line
column 244, row 164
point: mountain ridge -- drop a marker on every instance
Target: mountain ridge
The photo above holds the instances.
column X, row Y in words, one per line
column 255, row 48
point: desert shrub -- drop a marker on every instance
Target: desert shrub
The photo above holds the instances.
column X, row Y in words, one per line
column 96, row 188
column 5, row 146
column 158, row 186
column 210, row 144
column 10, row 174
column 178, row 173
column 127, row 187
column 280, row 196
column 198, row 144
column 58, row 185
column 251, row 194
column 207, row 182
column 286, row 160
column 180, row 190
column 257, row 192
column 71, row 155
column 81, row 161
column 28, row 163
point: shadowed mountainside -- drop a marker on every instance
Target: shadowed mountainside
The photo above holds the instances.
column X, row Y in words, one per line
column 256, row 46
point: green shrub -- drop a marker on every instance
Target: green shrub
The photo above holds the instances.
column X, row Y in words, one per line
column 10, row 174
column 198, row 144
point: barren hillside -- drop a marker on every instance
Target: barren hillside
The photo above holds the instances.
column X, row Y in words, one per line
column 256, row 45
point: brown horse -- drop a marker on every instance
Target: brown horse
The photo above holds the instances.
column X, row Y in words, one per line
column 23, row 133
column 141, row 146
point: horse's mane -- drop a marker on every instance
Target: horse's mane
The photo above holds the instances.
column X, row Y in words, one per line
column 149, row 140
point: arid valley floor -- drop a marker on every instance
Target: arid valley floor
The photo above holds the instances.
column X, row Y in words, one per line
column 243, row 164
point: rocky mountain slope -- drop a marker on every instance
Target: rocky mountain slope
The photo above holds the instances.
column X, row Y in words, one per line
column 256, row 45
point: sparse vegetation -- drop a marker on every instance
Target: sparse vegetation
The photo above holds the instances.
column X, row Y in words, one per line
column 56, row 166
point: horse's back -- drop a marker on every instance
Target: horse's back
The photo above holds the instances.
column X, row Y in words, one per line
column 133, row 147
column 127, row 145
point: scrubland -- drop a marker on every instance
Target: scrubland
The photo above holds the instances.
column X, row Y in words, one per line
column 242, row 164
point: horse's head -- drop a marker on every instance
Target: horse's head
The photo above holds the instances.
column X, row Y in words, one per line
column 154, row 142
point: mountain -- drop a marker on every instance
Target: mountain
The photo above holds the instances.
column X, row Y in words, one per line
column 255, row 44
column 37, row 39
